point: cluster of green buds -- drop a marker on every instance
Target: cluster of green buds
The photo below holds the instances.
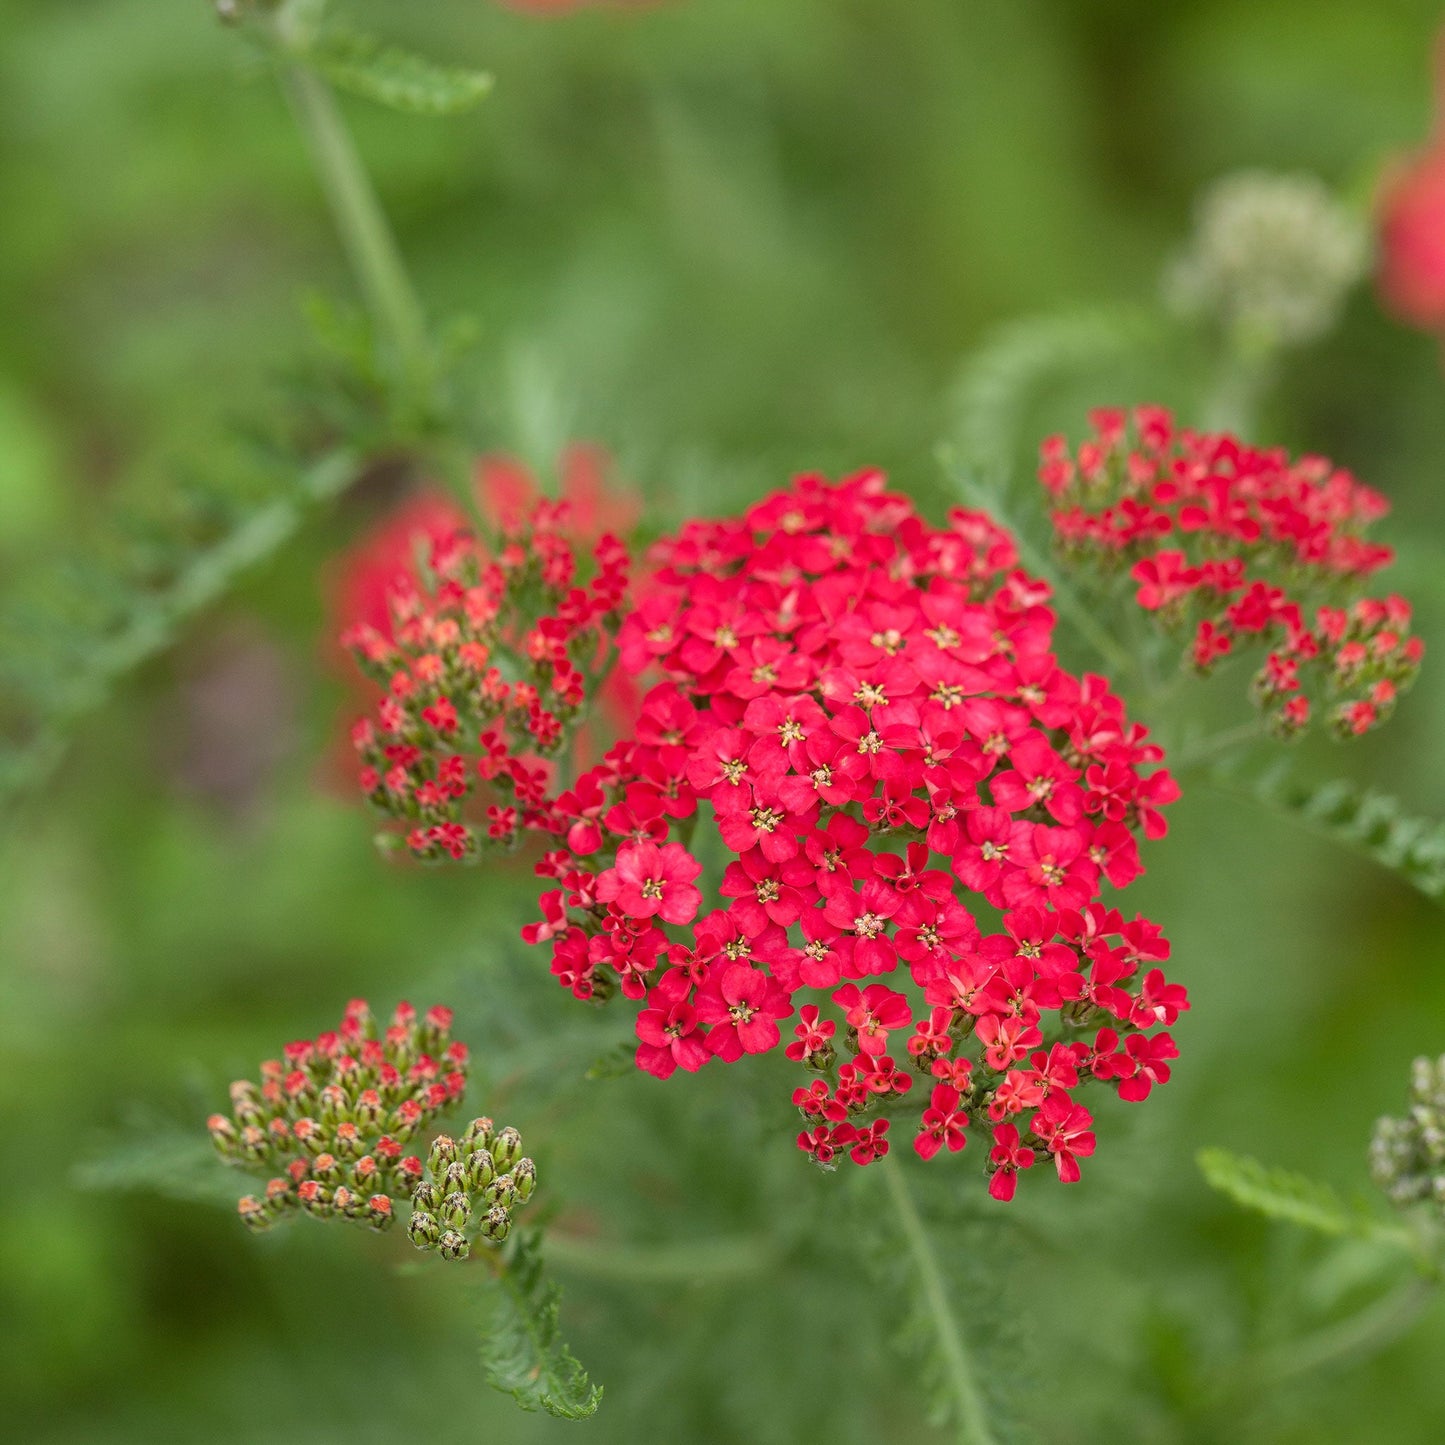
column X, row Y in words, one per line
column 328, row 1124
column 1407, row 1155
column 471, row 1188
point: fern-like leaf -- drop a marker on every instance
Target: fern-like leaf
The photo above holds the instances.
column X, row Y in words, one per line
column 523, row 1352
column 157, row 1156
column 1369, row 822
column 86, row 625
column 396, row 78
column 1003, row 376
column 1293, row 1198
column 946, row 1345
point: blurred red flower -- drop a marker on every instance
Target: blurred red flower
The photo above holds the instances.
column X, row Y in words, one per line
column 1412, row 226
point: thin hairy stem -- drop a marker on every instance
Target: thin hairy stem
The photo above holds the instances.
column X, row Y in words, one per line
column 973, row 1426
column 365, row 232
column 1193, row 755
column 1068, row 602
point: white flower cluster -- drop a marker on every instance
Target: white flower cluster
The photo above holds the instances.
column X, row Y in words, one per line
column 1271, row 258
column 1407, row 1156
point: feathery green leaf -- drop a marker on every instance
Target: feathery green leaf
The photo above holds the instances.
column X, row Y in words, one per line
column 1369, row 822
column 523, row 1352
column 396, row 78
column 1294, row 1198
column 64, row 646
column 1002, row 377
column 158, row 1156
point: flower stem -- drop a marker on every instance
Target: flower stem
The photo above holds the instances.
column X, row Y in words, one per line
column 365, row 233
column 973, row 1426
column 1209, row 748
column 1361, row 1335
column 1068, row 602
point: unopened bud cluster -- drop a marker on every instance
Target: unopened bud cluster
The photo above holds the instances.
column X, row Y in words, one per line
column 487, row 672
column 470, row 1190
column 330, row 1120
column 1407, row 1155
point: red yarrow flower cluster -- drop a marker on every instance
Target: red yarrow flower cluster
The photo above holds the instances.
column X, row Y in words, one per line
column 487, row 665
column 862, row 714
column 1249, row 547
column 330, row 1119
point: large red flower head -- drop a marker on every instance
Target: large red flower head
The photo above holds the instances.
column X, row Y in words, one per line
column 918, row 811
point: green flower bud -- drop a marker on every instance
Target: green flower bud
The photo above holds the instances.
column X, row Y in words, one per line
column 365, row 1175
column 422, row 1229
column 280, row 1198
column 524, row 1176
column 223, row 1136
column 255, row 1144
column 480, row 1169
column 315, row 1198
column 253, row 1213
column 507, row 1149
column 349, row 1141
column 496, row 1225
column 427, row 1197
column 309, row 1135
column 453, row 1245
column 456, row 1210
column 348, row 1202
column 444, row 1151
column 502, row 1191
column 455, row 1178
column 335, row 1106
column 479, row 1133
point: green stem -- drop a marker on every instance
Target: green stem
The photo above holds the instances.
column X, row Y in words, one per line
column 1208, row 748
column 1068, row 602
column 365, row 233
column 1359, row 1336
column 973, row 1426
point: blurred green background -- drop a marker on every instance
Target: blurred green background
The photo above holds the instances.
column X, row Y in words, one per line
column 727, row 239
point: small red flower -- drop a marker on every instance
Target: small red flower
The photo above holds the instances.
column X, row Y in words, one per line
column 943, row 1123
column 1005, row 1159
column 649, row 881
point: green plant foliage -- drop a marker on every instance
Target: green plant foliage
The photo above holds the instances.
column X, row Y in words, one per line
column 1370, row 822
column 523, row 1352
column 619, row 1062
column 398, row 79
column 998, row 382
column 152, row 1155
column 66, row 643
column 1293, row 1198
column 925, row 1266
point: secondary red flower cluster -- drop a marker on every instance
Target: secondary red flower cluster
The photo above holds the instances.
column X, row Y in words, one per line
column 1250, row 546
column 487, row 666
column 331, row 1117
column 864, row 711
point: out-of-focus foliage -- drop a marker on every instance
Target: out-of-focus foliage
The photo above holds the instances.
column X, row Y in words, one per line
column 727, row 239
